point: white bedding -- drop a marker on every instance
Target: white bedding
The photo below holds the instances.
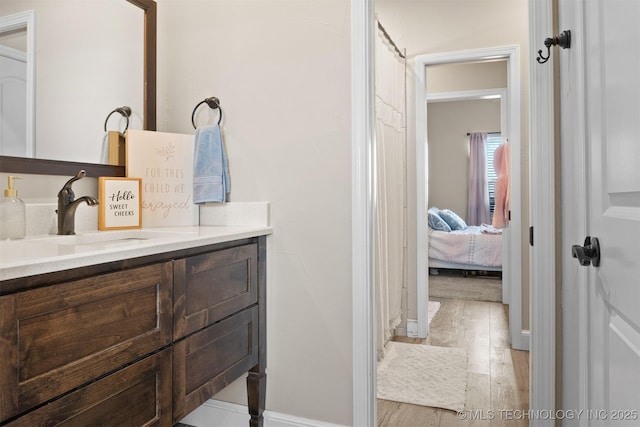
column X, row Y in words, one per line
column 469, row 246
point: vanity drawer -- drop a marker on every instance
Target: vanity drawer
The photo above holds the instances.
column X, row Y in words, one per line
column 143, row 388
column 207, row 361
column 56, row 338
column 212, row 286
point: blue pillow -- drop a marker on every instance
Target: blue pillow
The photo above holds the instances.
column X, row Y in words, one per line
column 452, row 219
column 435, row 222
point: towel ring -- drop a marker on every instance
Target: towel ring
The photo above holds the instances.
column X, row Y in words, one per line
column 213, row 103
column 125, row 112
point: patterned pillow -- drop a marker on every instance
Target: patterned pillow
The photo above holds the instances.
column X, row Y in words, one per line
column 435, row 222
column 452, row 219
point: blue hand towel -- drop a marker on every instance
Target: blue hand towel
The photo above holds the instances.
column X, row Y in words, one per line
column 211, row 181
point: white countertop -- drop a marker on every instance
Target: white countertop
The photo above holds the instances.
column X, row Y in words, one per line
column 45, row 254
column 48, row 253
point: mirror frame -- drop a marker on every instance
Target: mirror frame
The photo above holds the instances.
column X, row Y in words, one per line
column 9, row 164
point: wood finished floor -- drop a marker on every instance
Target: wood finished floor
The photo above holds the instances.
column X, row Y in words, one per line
column 497, row 378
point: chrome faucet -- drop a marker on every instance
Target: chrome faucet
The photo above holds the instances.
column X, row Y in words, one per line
column 67, row 205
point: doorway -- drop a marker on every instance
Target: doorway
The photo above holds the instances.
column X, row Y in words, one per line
column 543, row 318
column 511, row 129
column 453, row 115
column 467, row 324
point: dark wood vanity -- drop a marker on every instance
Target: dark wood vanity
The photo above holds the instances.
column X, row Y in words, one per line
column 141, row 341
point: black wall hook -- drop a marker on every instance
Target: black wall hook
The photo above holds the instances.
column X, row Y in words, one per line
column 563, row 40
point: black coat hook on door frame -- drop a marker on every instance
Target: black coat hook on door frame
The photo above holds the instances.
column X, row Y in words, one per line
column 563, row 40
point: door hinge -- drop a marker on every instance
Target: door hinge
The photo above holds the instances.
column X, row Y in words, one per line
column 509, row 215
column 531, row 235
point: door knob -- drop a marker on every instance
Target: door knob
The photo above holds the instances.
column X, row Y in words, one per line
column 589, row 253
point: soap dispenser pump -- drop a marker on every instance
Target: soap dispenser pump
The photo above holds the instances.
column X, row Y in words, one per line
column 12, row 213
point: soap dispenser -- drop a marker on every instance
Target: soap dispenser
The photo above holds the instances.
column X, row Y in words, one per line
column 12, row 213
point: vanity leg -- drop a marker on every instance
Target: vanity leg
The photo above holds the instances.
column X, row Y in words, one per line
column 256, row 392
column 257, row 378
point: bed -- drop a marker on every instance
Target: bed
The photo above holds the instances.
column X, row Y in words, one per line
column 474, row 248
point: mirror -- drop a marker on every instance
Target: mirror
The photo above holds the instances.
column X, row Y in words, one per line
column 78, row 85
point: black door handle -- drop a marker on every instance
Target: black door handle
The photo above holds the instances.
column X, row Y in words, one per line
column 589, row 253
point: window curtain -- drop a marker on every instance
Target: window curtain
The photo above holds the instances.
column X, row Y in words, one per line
column 478, row 204
column 390, row 235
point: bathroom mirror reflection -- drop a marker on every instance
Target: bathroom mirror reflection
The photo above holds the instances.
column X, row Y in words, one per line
column 14, row 138
column 89, row 57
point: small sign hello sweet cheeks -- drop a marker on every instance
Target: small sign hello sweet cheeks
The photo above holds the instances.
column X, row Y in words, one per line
column 120, row 203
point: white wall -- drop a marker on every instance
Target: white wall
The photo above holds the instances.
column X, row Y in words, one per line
column 466, row 76
column 282, row 72
column 448, row 125
column 424, row 27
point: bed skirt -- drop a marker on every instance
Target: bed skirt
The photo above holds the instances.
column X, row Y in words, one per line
column 469, row 247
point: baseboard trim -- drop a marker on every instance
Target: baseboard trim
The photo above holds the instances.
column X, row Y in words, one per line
column 412, row 328
column 523, row 342
column 400, row 331
column 216, row 413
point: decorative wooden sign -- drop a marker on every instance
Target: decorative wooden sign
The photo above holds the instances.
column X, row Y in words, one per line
column 120, row 203
column 164, row 161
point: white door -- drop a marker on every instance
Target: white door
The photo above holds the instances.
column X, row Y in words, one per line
column 605, row 55
column 13, row 103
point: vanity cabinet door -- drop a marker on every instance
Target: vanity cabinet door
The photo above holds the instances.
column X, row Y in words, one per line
column 212, row 286
column 207, row 361
column 59, row 337
column 138, row 395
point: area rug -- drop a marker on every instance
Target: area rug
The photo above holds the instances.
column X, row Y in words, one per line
column 473, row 288
column 423, row 375
column 433, row 308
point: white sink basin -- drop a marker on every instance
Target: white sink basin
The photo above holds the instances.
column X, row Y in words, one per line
column 103, row 238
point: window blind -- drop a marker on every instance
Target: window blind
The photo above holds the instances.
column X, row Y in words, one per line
column 493, row 141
